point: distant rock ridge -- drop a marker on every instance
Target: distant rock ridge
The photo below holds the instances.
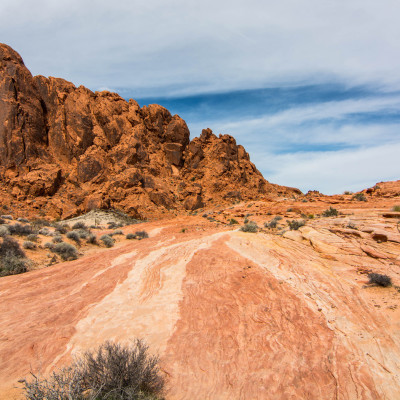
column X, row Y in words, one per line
column 65, row 150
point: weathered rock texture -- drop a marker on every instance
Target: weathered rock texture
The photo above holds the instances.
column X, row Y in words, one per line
column 73, row 150
column 233, row 315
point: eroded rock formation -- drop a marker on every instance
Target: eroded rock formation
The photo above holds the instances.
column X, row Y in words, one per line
column 73, row 150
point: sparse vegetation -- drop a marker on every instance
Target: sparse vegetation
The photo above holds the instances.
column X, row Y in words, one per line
column 141, row 234
column 74, row 235
column 273, row 223
column 118, row 232
column 107, row 240
column 61, row 228
column 396, row 208
column 359, row 197
column 112, row 372
column 12, row 257
column 233, row 221
column 79, row 225
column 45, row 231
column 295, row 224
column 29, row 245
column 33, row 237
column 66, row 251
column 250, row 227
column 4, row 231
column 347, row 192
column 131, row 236
column 380, row 280
column 92, row 239
column 57, row 239
column 330, row 212
column 20, row 230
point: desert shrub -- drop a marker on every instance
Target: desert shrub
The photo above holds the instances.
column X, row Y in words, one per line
column 347, row 192
column 118, row 232
column 112, row 372
column 66, row 251
column 380, row 280
column 4, row 230
column 351, row 225
column 11, row 246
column 92, row 239
column 359, row 197
column 2, row 221
column 20, row 230
column 296, row 224
column 9, row 217
column 273, row 223
column 114, row 225
column 330, row 212
column 23, row 220
column 33, row 237
column 131, row 236
column 61, row 228
column 57, row 239
column 12, row 257
column 233, row 221
column 49, row 245
column 74, row 235
column 290, row 209
column 107, row 240
column 79, row 225
column 83, row 233
column 29, row 245
column 40, row 223
column 396, row 208
column 141, row 234
column 250, row 227
column 44, row 231
column 12, row 265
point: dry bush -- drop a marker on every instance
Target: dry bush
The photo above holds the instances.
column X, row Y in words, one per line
column 112, row 372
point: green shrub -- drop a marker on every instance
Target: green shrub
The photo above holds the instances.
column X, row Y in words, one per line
column 74, row 235
column 61, row 228
column 66, row 251
column 57, row 239
column 141, row 234
column 131, row 236
column 330, row 212
column 250, row 227
column 296, row 224
column 12, row 257
column 79, row 225
column 233, row 221
column 29, row 245
column 112, row 372
column 20, row 230
column 44, row 231
column 92, row 239
column 107, row 240
column 380, row 280
column 33, row 237
column 396, row 208
column 359, row 197
column 12, row 265
column 4, row 231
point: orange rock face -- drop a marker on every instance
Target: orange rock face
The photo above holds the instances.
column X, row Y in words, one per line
column 81, row 150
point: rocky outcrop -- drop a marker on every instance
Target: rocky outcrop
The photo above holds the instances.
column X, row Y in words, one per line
column 80, row 149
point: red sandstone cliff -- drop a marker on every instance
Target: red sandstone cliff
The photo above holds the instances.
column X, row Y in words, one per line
column 66, row 150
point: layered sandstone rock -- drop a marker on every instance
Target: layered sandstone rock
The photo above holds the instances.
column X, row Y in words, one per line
column 82, row 150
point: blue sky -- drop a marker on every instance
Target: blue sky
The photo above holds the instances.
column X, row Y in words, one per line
column 311, row 88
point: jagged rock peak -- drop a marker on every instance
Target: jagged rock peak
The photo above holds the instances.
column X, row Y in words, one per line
column 67, row 150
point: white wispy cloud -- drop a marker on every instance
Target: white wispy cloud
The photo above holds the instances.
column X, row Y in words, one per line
column 185, row 47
